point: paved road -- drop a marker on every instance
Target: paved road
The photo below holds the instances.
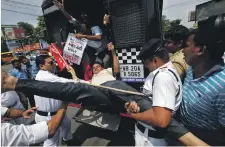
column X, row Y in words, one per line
column 93, row 136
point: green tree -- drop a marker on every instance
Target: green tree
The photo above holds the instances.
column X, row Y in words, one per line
column 28, row 28
column 39, row 31
column 168, row 24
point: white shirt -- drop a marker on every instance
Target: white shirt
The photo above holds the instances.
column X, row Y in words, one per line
column 48, row 104
column 3, row 110
column 21, row 135
column 102, row 77
column 165, row 87
column 11, row 99
column 163, row 93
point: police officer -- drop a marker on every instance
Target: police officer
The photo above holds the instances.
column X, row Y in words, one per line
column 163, row 86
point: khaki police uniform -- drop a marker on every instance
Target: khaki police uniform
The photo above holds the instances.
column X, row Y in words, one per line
column 179, row 63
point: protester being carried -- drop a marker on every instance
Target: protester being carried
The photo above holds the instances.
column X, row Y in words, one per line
column 100, row 74
column 24, row 135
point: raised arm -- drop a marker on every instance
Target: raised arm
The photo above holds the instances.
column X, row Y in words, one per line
column 116, row 64
column 66, row 14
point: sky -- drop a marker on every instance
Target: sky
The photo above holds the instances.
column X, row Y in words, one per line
column 172, row 9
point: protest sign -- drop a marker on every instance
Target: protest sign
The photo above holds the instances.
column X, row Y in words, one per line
column 74, row 49
column 56, row 52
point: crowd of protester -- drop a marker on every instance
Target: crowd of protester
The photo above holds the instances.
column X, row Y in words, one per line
column 185, row 83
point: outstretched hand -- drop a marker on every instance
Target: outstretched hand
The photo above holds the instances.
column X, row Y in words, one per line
column 79, row 36
column 71, row 71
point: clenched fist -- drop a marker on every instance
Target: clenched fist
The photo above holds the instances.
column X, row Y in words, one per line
column 132, row 107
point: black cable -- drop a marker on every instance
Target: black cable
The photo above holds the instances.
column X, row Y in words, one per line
column 22, row 3
column 19, row 12
column 18, row 6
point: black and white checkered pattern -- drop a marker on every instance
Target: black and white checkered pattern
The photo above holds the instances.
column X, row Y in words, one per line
column 128, row 56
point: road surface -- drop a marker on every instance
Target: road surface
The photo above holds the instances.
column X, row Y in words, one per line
column 87, row 135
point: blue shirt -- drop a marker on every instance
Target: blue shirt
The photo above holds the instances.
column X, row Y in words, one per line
column 203, row 104
column 20, row 74
column 32, row 69
column 99, row 45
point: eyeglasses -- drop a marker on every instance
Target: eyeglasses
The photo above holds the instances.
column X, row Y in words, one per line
column 50, row 62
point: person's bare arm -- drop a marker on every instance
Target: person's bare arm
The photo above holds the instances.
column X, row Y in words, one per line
column 63, row 2
column 15, row 113
column 190, row 139
column 54, row 123
column 157, row 116
column 90, row 37
column 116, row 64
column 66, row 14
column 72, row 72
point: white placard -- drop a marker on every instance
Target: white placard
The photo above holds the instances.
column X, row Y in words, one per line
column 74, row 49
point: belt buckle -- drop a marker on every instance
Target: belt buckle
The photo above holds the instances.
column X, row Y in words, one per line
column 49, row 113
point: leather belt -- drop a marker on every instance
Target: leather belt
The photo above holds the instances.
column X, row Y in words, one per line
column 151, row 133
column 46, row 113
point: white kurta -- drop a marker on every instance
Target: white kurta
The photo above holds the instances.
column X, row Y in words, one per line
column 102, row 77
column 21, row 135
column 51, row 105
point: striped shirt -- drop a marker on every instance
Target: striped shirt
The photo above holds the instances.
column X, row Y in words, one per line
column 203, row 104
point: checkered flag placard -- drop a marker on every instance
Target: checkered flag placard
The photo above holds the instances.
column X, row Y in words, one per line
column 128, row 56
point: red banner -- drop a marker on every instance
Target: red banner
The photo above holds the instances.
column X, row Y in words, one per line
column 31, row 47
column 57, row 53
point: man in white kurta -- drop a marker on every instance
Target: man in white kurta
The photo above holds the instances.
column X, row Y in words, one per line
column 48, row 107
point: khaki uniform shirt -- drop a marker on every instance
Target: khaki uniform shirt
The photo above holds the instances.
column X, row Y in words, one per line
column 179, row 63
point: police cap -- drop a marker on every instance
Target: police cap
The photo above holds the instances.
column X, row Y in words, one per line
column 149, row 49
